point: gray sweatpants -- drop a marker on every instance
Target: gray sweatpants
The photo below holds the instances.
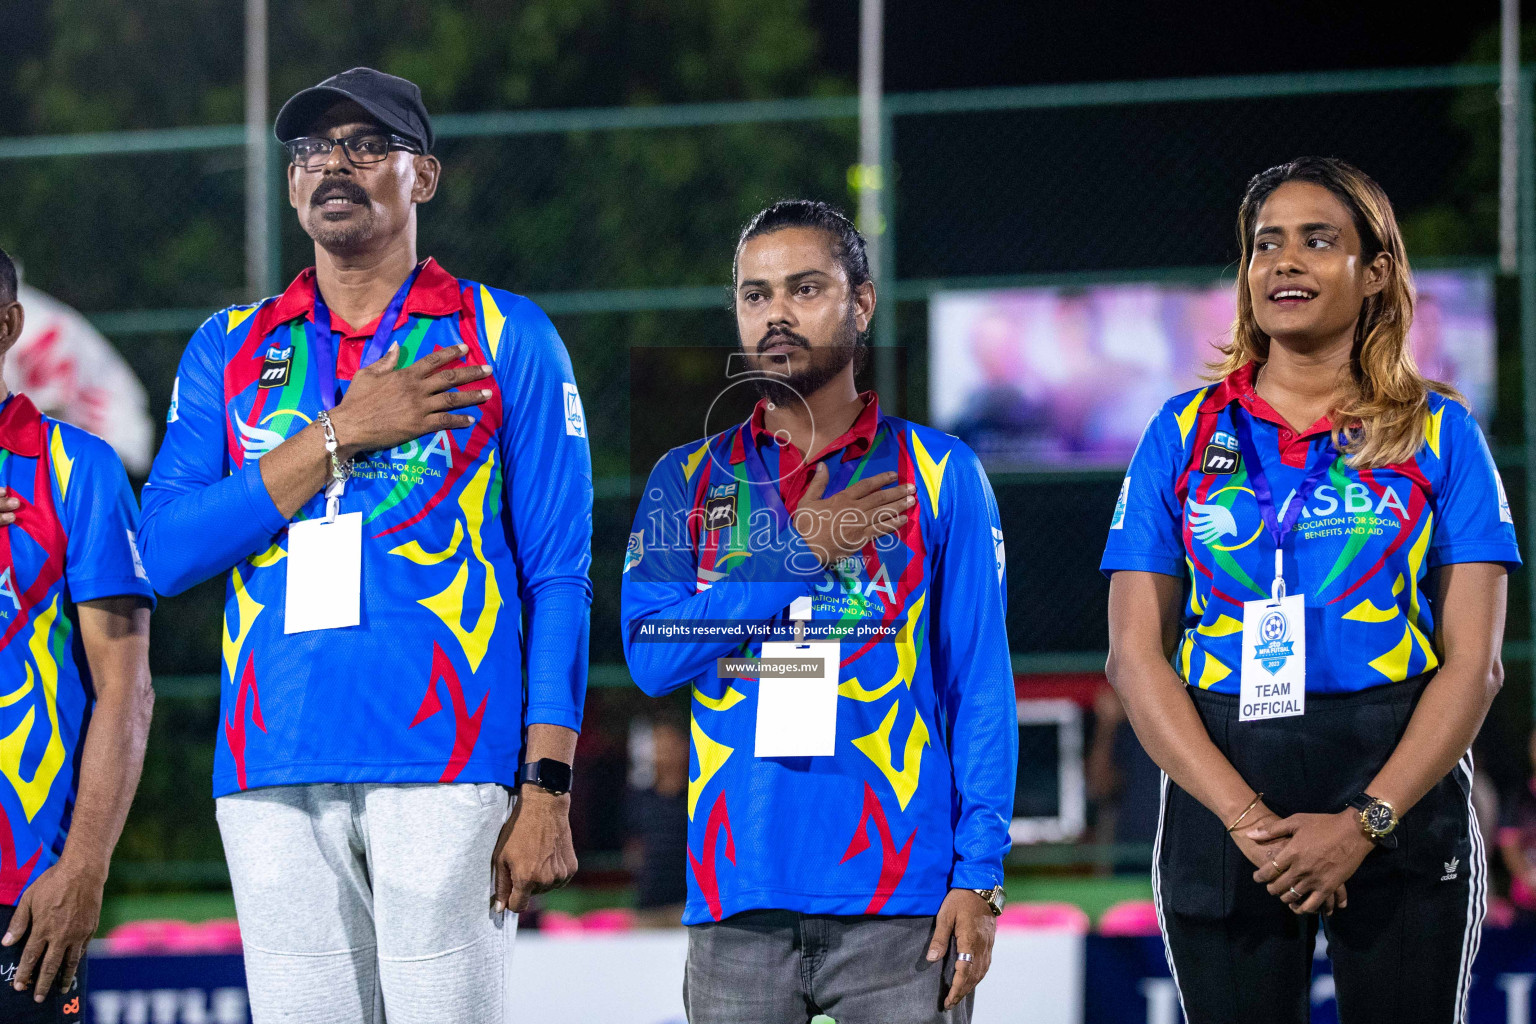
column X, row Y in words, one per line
column 782, row 967
column 359, row 900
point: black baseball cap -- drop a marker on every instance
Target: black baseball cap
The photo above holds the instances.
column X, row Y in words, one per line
column 394, row 102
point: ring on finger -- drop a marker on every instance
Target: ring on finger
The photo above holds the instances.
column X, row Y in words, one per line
column 1298, row 895
column 965, row 958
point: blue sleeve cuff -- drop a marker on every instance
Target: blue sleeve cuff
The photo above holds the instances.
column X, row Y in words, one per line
column 99, row 587
column 970, row 875
column 259, row 500
column 1507, row 555
column 1140, row 562
column 554, row 714
column 559, row 618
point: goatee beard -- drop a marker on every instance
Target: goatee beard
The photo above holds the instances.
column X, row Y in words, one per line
column 821, row 367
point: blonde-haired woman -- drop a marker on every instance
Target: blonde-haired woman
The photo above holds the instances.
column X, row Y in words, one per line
column 1312, row 692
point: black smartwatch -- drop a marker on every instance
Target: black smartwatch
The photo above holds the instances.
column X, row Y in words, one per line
column 548, row 774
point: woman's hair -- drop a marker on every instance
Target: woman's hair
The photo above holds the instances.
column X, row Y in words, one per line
column 1380, row 421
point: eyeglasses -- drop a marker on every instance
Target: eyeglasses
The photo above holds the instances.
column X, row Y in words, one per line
column 363, row 149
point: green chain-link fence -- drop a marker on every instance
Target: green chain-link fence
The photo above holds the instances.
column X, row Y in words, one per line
column 621, row 222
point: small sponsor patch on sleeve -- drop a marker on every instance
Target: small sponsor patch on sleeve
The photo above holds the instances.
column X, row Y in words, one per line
column 575, row 419
column 175, row 413
column 997, row 550
column 1505, row 515
column 1118, row 522
column 635, row 551
column 138, row 563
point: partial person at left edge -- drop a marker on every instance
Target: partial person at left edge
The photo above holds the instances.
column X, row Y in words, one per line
column 75, row 695
column 390, row 466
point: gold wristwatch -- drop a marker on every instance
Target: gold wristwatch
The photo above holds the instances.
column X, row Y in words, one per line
column 1377, row 819
column 995, row 898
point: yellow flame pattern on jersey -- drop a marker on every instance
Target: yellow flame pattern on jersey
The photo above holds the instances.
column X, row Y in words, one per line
column 413, row 551
column 246, row 610
column 269, row 557
column 712, row 756
column 1185, row 417
column 691, row 463
column 448, row 604
column 63, row 465
column 906, row 660
column 1432, row 430
column 1394, row 663
column 33, row 792
column 877, row 747
column 239, row 316
column 495, row 319
column 931, row 472
column 727, row 700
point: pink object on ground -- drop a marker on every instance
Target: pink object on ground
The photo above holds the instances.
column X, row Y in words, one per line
column 137, row 937
column 221, row 935
column 223, row 931
column 558, row 922
column 156, row 936
column 1044, row 917
column 1521, row 895
column 1131, row 917
column 611, row 919
column 1501, row 913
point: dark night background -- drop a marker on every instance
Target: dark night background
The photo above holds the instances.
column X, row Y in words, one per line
column 1110, row 189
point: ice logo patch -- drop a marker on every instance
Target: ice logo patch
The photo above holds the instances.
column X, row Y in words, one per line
column 575, row 419
column 1274, row 648
column 1505, row 516
column 997, row 550
column 175, row 413
column 276, row 366
column 635, row 550
column 1118, row 522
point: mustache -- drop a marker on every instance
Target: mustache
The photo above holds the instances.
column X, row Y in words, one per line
column 338, row 187
column 781, row 336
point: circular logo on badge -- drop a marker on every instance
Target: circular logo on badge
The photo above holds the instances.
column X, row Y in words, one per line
column 1273, row 627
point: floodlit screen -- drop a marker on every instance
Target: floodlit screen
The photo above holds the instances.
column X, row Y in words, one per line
column 1049, row 377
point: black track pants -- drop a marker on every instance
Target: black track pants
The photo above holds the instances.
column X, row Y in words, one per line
column 1402, row 950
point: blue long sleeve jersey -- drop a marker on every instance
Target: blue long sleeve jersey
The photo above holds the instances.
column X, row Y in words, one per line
column 918, row 795
column 470, row 537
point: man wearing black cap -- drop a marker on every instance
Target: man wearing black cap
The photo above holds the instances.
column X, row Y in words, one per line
column 403, row 509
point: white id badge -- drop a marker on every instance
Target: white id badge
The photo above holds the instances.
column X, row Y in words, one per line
column 797, row 717
column 325, row 574
column 1274, row 676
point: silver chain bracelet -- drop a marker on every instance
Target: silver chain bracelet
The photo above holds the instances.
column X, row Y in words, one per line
column 341, row 469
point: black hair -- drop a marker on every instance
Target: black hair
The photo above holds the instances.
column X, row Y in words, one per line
column 8, row 282
column 1346, row 181
column 847, row 243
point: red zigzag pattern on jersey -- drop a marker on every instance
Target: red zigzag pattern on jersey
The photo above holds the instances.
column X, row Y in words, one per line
column 466, row 726
column 234, row 731
column 13, row 876
column 893, row 862
column 704, row 870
